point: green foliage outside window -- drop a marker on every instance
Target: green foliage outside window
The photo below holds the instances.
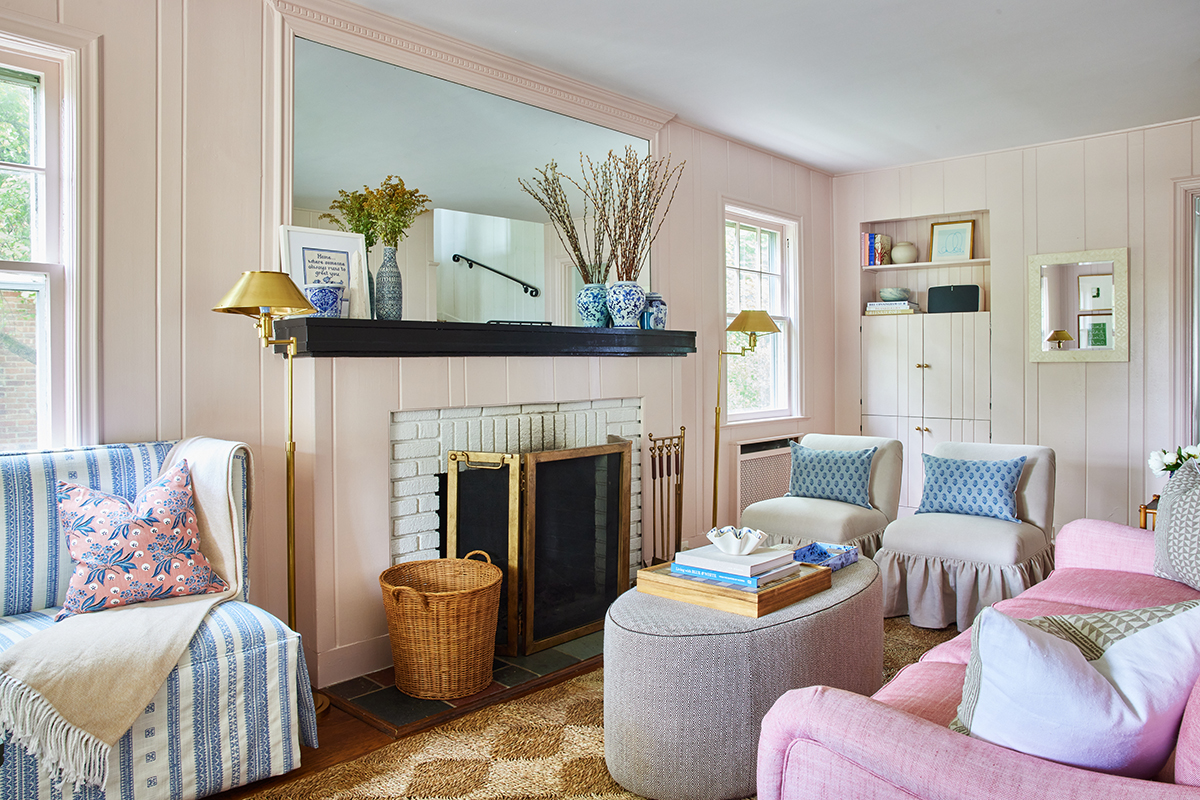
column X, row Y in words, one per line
column 16, row 188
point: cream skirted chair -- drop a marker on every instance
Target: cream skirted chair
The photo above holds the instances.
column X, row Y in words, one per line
column 940, row 567
column 809, row 514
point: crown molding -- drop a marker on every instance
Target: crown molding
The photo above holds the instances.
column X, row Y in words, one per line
column 352, row 27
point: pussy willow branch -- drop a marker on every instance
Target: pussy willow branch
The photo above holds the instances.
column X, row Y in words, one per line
column 548, row 192
column 597, row 187
column 639, row 185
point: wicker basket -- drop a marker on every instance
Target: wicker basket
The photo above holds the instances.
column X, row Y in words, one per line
column 442, row 622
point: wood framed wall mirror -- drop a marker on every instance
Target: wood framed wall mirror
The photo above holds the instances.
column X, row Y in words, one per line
column 1079, row 306
column 371, row 100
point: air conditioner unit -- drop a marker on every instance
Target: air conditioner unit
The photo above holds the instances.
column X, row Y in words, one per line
column 764, row 470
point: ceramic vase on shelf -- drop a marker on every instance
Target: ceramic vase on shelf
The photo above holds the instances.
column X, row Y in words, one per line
column 654, row 316
column 592, row 305
column 389, row 290
column 626, row 300
column 904, row 253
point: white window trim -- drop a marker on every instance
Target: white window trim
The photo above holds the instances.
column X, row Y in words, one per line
column 75, row 245
column 793, row 409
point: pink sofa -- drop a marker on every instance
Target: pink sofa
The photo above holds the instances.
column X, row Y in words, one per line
column 821, row 742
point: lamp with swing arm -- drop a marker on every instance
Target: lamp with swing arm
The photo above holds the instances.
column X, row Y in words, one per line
column 267, row 296
column 753, row 323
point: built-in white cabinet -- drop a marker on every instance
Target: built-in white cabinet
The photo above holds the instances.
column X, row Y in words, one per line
column 926, row 378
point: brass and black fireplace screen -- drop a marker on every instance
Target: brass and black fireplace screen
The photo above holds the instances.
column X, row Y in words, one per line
column 557, row 523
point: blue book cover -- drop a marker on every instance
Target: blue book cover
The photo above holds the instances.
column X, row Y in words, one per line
column 753, row 582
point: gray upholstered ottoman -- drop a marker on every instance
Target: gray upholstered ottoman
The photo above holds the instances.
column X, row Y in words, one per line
column 686, row 687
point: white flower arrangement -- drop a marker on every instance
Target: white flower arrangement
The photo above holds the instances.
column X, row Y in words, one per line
column 1165, row 462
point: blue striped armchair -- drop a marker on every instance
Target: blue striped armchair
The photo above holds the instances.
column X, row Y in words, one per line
column 237, row 705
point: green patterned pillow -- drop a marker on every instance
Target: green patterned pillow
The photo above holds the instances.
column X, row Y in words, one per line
column 1177, row 532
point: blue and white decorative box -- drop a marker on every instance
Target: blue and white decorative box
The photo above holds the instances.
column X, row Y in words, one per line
column 834, row 556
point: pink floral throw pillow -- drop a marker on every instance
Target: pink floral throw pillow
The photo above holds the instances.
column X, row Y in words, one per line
column 127, row 554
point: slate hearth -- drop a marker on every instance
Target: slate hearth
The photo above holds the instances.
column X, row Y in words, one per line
column 375, row 698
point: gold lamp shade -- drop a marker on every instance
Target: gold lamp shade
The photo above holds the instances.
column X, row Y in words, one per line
column 755, row 321
column 261, row 292
column 1058, row 337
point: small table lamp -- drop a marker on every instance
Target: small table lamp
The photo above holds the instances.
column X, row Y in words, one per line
column 1058, row 337
column 752, row 323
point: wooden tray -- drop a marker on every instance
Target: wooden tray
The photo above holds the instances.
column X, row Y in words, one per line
column 658, row 580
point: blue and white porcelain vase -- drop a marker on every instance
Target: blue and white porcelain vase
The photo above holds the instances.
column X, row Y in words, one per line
column 654, row 316
column 389, row 289
column 626, row 300
column 592, row 305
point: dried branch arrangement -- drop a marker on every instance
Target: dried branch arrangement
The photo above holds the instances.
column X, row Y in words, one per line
column 638, row 187
column 590, row 254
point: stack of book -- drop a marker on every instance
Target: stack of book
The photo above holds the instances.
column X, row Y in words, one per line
column 751, row 585
column 876, row 249
column 876, row 308
column 750, row 572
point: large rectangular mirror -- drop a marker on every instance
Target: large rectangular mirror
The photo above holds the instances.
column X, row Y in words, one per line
column 1079, row 306
column 358, row 120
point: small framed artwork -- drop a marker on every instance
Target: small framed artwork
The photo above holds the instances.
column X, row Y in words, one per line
column 314, row 255
column 1095, row 292
column 952, row 241
column 1095, row 332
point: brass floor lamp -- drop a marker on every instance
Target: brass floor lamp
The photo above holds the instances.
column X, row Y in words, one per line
column 266, row 296
column 752, row 323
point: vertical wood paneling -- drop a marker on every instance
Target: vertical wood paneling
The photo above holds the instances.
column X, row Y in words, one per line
column 1060, row 206
column 1107, row 444
column 928, row 191
column 1029, row 233
column 847, row 290
column 1142, row 481
column 881, row 196
column 358, row 456
column 1168, row 155
column 981, row 372
column 965, row 184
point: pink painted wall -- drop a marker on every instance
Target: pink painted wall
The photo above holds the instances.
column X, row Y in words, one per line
column 190, row 198
column 1115, row 190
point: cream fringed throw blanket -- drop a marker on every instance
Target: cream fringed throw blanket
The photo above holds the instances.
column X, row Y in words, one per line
column 68, row 693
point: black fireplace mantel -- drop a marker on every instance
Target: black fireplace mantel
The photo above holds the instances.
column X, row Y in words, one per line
column 327, row 338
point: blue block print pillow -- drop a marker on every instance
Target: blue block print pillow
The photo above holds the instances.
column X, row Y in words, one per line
column 843, row 475
column 977, row 488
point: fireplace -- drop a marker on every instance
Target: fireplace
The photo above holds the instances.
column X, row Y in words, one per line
column 557, row 523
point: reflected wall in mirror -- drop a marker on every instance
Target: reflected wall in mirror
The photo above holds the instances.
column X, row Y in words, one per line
column 358, row 120
column 1079, row 306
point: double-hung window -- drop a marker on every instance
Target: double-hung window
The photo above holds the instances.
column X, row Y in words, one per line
column 33, row 404
column 760, row 269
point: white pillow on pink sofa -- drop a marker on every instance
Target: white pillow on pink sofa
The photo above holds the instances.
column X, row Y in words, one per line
column 1101, row 691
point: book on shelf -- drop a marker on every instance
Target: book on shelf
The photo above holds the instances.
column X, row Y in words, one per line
column 756, row 563
column 876, row 249
column 752, row 582
column 884, row 304
column 893, row 307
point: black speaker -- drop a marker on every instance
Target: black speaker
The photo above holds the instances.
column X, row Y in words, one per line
column 948, row 299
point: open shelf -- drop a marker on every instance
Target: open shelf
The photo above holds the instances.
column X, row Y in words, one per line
column 370, row 338
column 973, row 262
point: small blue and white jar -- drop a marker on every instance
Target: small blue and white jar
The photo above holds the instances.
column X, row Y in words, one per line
column 654, row 317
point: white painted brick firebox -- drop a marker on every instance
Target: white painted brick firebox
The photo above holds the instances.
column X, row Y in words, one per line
column 421, row 440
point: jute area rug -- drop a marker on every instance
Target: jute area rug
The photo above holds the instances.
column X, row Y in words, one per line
column 545, row 746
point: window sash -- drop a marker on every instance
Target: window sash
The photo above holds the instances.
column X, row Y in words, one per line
column 752, row 282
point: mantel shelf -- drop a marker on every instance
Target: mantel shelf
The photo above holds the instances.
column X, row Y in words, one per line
column 368, row 338
column 973, row 262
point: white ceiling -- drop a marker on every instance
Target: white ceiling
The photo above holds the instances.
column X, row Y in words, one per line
column 848, row 85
